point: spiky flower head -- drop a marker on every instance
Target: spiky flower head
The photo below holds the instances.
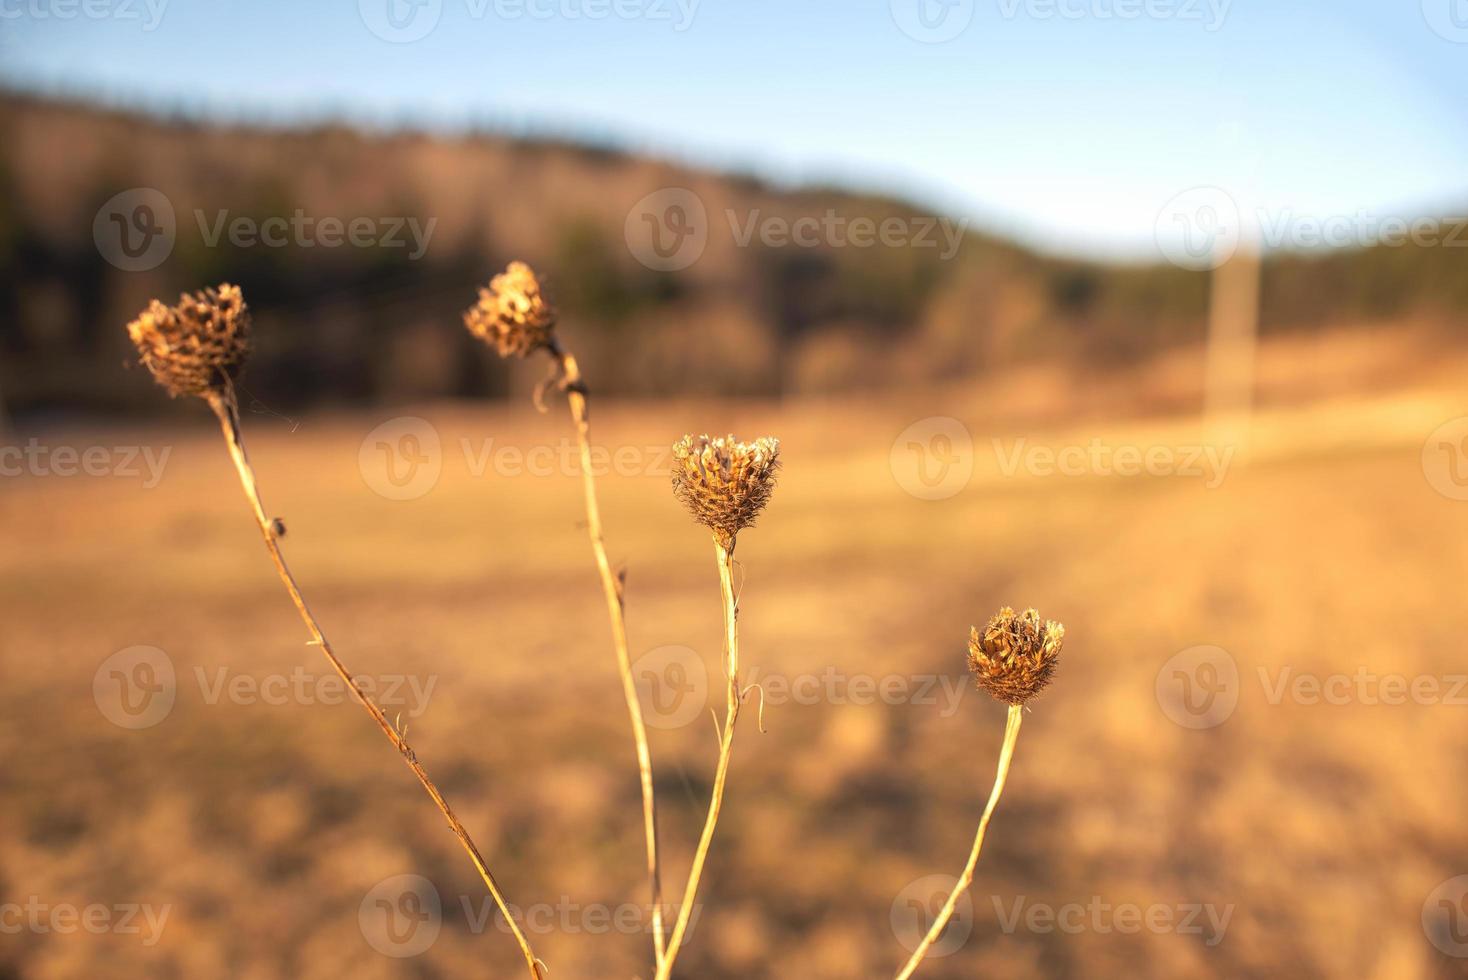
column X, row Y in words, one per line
column 512, row 314
column 725, row 483
column 198, row 346
column 1015, row 655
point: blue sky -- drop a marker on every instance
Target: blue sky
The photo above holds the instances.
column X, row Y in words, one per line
column 1068, row 123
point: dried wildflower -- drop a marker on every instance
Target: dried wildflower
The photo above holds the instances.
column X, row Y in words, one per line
column 512, row 314
column 198, row 346
column 1015, row 655
column 725, row 483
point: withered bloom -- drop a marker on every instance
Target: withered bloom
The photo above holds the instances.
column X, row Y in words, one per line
column 725, row 483
column 512, row 314
column 198, row 346
column 1014, row 657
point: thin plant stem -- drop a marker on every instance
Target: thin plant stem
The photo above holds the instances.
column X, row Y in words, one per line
column 1011, row 735
column 725, row 557
column 226, row 409
column 616, row 612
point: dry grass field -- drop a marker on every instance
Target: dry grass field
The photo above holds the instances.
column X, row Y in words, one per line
column 1300, row 835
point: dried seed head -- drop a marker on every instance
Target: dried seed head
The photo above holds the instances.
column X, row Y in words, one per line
column 198, row 346
column 1015, row 655
column 724, row 483
column 512, row 314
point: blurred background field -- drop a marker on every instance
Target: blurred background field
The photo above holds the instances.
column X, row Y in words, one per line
column 1322, row 828
column 953, row 417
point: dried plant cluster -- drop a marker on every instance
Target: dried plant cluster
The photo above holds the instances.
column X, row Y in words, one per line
column 1014, row 656
column 725, row 483
column 512, row 314
column 198, row 348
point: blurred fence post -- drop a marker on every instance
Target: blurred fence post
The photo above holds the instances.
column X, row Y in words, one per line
column 1233, row 331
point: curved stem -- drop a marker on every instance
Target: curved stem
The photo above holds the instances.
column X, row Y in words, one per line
column 725, row 557
column 617, row 613
column 1011, row 735
column 225, row 408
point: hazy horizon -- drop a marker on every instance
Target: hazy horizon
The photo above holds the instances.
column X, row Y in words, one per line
column 1054, row 122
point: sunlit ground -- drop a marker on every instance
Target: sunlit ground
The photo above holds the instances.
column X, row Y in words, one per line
column 1294, row 833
